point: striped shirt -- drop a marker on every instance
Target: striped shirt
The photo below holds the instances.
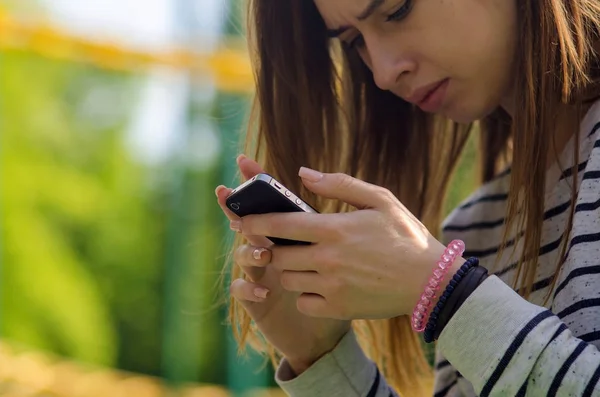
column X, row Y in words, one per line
column 497, row 343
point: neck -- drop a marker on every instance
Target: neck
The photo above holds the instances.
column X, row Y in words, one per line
column 568, row 117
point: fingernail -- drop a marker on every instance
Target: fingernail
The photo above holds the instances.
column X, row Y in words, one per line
column 258, row 253
column 261, row 293
column 236, row 226
column 218, row 189
column 240, row 158
column 310, row 175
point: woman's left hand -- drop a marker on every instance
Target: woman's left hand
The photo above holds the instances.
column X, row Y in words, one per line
column 371, row 263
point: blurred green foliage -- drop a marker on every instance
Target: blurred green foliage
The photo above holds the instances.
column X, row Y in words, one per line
column 79, row 266
column 103, row 258
column 466, row 177
column 84, row 226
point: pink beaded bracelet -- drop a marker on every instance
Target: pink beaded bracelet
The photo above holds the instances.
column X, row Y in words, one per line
column 419, row 317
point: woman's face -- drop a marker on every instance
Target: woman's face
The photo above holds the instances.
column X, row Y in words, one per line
column 452, row 57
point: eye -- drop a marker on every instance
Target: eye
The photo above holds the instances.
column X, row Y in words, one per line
column 356, row 42
column 401, row 12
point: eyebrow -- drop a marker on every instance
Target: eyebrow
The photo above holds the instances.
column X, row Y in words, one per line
column 371, row 8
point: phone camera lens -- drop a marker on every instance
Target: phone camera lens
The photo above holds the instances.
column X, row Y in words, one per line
column 234, row 206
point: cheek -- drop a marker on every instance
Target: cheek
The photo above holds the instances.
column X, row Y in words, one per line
column 481, row 64
column 470, row 37
column 493, row 49
column 492, row 68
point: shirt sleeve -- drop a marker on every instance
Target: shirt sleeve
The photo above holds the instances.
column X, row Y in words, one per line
column 507, row 346
column 344, row 372
column 448, row 381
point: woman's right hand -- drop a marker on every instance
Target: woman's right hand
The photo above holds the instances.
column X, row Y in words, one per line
column 300, row 339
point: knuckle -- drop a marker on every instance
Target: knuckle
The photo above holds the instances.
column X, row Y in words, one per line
column 327, row 260
column 273, row 224
column 335, row 229
column 286, row 280
column 343, row 181
column 307, row 306
column 332, row 229
column 337, row 286
column 236, row 287
column 302, row 305
column 386, row 195
column 240, row 255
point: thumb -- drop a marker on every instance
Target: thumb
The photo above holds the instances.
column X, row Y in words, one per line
column 343, row 187
column 248, row 167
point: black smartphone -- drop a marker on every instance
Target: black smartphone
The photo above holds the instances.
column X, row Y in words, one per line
column 262, row 194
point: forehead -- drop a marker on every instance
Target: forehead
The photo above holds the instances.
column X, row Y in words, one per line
column 338, row 13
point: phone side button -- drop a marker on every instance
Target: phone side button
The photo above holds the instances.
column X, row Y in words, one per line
column 288, row 193
column 298, row 202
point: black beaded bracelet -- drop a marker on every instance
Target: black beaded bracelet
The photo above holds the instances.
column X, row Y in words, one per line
column 432, row 322
column 463, row 290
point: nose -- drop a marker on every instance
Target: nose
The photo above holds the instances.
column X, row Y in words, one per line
column 388, row 66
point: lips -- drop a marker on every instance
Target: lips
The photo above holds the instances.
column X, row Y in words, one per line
column 420, row 94
column 430, row 97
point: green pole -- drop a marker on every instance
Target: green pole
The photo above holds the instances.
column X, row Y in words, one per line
column 182, row 323
column 243, row 373
column 179, row 361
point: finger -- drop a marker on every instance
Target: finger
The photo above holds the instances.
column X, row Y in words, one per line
column 298, row 258
column 222, row 192
column 315, row 306
column 246, row 291
column 299, row 226
column 343, row 187
column 249, row 168
column 245, row 257
column 249, row 255
column 304, row 282
column 257, row 240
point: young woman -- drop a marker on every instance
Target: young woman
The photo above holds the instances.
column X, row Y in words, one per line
column 379, row 97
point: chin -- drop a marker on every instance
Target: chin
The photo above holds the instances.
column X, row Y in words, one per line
column 467, row 115
column 462, row 119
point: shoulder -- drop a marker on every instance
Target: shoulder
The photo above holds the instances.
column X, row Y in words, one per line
column 591, row 121
column 586, row 219
column 575, row 296
column 479, row 214
column 590, row 133
column 588, row 168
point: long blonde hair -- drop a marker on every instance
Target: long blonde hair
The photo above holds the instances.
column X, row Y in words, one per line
column 317, row 105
